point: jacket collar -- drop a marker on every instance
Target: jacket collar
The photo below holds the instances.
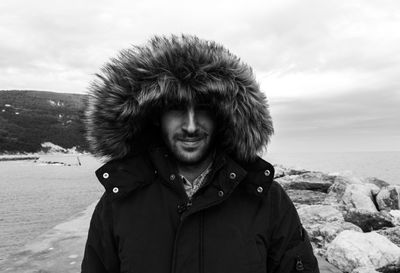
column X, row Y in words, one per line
column 120, row 177
column 257, row 175
column 260, row 176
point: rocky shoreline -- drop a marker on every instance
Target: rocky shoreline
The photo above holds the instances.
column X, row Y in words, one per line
column 353, row 223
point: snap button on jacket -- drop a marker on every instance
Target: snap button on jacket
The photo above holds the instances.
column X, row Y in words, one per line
column 243, row 230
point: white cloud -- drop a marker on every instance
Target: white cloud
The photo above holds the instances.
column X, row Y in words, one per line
column 292, row 36
column 320, row 83
column 330, row 51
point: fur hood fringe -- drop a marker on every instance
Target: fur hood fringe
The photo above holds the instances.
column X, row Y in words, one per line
column 175, row 68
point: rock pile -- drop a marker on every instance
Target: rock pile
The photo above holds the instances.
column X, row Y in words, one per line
column 353, row 222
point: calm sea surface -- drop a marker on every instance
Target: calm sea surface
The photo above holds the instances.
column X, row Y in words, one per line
column 382, row 165
column 34, row 197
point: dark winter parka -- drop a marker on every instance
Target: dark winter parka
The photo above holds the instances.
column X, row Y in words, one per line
column 240, row 221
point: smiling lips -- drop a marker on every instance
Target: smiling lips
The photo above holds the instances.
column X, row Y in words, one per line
column 191, row 141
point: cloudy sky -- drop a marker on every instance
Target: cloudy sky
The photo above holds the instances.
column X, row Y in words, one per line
column 330, row 69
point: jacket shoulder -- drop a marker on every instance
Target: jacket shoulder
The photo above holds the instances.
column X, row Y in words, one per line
column 122, row 176
column 259, row 177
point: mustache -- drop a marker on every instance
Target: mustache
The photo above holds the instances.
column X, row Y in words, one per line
column 190, row 136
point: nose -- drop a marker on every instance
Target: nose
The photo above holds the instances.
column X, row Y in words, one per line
column 190, row 125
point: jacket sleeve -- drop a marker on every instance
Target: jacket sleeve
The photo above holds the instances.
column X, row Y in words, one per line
column 290, row 249
column 100, row 254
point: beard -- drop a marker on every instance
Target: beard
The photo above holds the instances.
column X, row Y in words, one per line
column 190, row 149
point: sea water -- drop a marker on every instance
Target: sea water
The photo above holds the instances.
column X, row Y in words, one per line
column 35, row 196
column 382, row 165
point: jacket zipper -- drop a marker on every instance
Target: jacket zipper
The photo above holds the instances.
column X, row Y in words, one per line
column 173, row 269
column 184, row 207
column 201, row 243
column 201, row 239
column 181, row 209
column 174, row 254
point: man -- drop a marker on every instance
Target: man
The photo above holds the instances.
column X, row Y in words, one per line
column 180, row 122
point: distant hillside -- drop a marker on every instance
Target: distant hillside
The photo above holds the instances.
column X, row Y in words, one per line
column 29, row 118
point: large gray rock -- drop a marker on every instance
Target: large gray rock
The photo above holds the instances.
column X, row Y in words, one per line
column 393, row 234
column 373, row 180
column 323, row 223
column 391, row 268
column 351, row 250
column 360, row 196
column 364, row 269
column 341, row 183
column 319, row 213
column 368, row 220
column 307, row 197
column 283, row 171
column 388, row 198
column 329, row 231
column 395, row 217
column 279, row 171
column 315, row 181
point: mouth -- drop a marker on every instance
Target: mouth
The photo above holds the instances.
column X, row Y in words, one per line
column 191, row 141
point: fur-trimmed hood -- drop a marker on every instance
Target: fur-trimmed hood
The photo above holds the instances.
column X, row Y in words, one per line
column 167, row 69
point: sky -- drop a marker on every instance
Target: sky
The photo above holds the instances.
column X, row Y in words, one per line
column 330, row 69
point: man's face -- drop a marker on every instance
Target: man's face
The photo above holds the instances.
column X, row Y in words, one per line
column 188, row 132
